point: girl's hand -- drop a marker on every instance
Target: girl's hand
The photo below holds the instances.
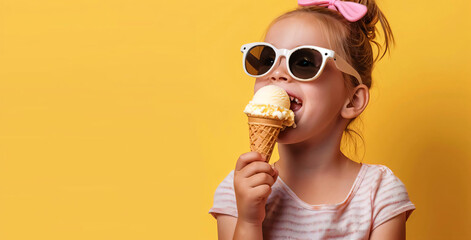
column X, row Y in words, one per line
column 253, row 178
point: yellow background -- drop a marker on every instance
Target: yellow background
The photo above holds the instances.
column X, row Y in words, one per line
column 118, row 119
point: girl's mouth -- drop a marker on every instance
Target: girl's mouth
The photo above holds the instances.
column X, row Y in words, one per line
column 296, row 103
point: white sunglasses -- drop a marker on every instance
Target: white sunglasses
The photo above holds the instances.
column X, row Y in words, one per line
column 304, row 63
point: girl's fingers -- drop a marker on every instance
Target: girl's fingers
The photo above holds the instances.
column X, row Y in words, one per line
column 246, row 159
column 257, row 167
column 263, row 190
column 261, row 179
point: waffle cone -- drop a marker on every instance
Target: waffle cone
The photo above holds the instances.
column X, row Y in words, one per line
column 263, row 133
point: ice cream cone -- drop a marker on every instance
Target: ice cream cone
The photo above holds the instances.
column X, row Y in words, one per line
column 269, row 113
column 263, row 133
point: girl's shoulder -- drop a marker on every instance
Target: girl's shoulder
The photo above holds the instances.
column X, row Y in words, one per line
column 388, row 193
column 378, row 176
column 377, row 167
column 383, row 183
column 379, row 171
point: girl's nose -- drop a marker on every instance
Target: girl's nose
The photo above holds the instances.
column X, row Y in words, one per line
column 279, row 72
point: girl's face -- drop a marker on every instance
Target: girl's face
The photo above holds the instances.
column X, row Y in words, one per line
column 321, row 99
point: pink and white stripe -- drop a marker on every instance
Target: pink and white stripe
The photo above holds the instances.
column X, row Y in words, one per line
column 376, row 196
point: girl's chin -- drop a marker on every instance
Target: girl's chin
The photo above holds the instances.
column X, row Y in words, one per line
column 286, row 136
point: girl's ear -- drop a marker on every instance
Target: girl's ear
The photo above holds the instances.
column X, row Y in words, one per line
column 355, row 104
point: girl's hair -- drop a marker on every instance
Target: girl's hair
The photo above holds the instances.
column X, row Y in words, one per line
column 352, row 40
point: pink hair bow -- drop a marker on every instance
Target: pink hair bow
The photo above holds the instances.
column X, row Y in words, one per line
column 350, row 10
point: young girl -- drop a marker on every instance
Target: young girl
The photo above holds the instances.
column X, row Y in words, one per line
column 321, row 54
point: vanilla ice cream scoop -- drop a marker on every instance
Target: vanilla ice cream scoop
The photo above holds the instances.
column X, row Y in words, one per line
column 271, row 102
column 272, row 94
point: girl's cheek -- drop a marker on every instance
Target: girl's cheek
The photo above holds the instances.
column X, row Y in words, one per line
column 258, row 84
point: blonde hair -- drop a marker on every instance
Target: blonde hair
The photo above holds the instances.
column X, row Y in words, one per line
column 352, row 40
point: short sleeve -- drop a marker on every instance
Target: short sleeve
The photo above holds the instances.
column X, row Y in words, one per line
column 224, row 198
column 390, row 198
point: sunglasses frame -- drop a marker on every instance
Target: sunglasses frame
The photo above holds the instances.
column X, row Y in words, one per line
column 340, row 63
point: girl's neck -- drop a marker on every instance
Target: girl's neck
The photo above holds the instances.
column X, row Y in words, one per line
column 312, row 156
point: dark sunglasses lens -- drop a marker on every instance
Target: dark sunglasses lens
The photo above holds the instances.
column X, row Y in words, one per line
column 305, row 63
column 259, row 60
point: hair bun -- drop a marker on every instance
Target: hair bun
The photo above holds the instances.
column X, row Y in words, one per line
column 367, row 25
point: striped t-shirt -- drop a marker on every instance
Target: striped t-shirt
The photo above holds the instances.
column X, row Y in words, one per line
column 376, row 196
